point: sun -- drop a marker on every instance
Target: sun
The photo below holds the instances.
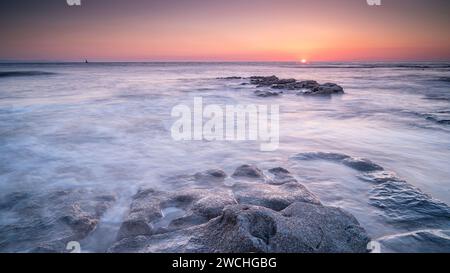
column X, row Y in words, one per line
column 303, row 61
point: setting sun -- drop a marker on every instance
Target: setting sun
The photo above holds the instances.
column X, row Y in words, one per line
column 304, row 61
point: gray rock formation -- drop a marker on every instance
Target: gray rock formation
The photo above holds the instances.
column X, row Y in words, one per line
column 324, row 89
column 276, row 197
column 302, row 227
column 248, row 171
column 280, row 176
column 196, row 206
column 400, row 202
column 308, row 87
column 265, row 93
column 46, row 222
column 258, row 213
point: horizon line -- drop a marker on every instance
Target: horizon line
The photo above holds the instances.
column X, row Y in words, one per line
column 214, row 61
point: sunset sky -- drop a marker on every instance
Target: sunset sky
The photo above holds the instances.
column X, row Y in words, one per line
column 219, row 30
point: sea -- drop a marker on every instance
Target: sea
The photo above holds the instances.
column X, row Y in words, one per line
column 107, row 126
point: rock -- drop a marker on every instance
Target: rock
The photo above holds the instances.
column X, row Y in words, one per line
column 320, row 156
column 357, row 163
column 400, row 202
column 325, row 89
column 308, row 84
column 230, row 78
column 146, row 210
column 276, row 197
column 378, row 177
column 295, row 85
column 308, row 87
column 80, row 222
column 281, row 176
column 271, row 214
column 404, row 203
column 211, row 174
column 286, row 81
column 212, row 206
column 263, row 81
column 248, row 171
column 300, row 228
column 205, row 179
column 46, row 222
column 361, row 164
column 265, row 94
column 422, row 241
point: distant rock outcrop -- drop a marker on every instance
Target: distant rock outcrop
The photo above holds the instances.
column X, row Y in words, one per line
column 308, row 87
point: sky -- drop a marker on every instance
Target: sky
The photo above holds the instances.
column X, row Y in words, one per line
column 219, row 30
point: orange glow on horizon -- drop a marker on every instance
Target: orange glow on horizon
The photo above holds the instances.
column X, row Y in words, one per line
column 285, row 30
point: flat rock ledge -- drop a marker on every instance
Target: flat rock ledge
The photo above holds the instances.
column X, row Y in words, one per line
column 261, row 211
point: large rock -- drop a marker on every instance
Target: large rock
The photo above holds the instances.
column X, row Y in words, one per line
column 300, row 228
column 257, row 213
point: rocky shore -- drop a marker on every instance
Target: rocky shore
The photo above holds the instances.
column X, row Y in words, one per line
column 250, row 211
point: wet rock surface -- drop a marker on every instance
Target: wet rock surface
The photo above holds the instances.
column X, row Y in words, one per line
column 45, row 223
column 253, row 210
column 405, row 204
column 323, row 89
column 280, row 176
column 276, row 197
column 401, row 203
column 248, row 171
column 302, row 227
column 257, row 213
column 197, row 206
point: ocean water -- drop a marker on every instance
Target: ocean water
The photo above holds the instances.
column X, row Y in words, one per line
column 107, row 127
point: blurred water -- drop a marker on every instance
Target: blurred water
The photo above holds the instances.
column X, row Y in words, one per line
column 107, row 126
